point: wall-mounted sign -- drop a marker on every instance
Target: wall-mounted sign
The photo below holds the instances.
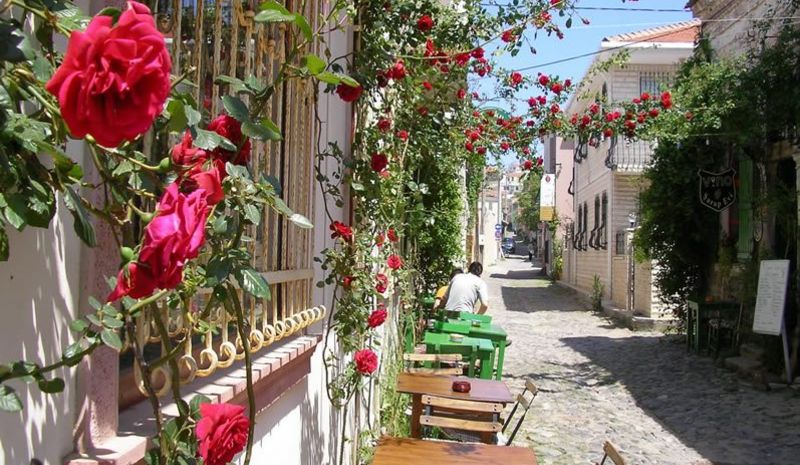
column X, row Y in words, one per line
column 547, row 197
column 717, row 190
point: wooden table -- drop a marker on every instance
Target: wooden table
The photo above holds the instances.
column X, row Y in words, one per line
column 404, row 451
column 483, row 390
column 479, row 330
column 473, row 348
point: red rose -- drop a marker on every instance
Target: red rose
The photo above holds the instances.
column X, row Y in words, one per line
column 544, row 79
column 379, row 162
column 366, row 361
column 340, row 229
column 608, row 132
column 568, row 83
column 645, row 96
column 377, row 318
column 461, row 94
column 427, row 85
column 481, row 150
column 172, row 238
column 402, row 135
column 397, row 71
column 392, row 235
column 468, row 145
column 556, row 88
column 508, row 36
column 347, row 282
column 115, row 78
column 380, row 239
column 541, row 99
column 347, row 93
column 504, row 146
column 186, row 154
column 526, row 150
column 516, row 78
column 384, row 124
column 654, row 112
column 666, row 100
column 394, row 262
column 554, row 108
column 210, row 181
column 425, row 23
column 381, row 282
column 539, row 161
column 527, row 165
column 231, row 129
column 462, row 59
column 221, row 432
column 423, row 111
column 477, row 53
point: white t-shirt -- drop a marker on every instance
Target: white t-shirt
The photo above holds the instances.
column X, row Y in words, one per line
column 464, row 291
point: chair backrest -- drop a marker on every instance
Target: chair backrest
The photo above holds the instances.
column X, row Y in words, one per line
column 459, row 414
column 435, row 359
column 610, row 452
column 523, row 404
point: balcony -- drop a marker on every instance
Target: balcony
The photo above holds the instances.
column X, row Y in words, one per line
column 629, row 156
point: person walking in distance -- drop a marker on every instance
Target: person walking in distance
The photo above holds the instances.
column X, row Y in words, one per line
column 466, row 289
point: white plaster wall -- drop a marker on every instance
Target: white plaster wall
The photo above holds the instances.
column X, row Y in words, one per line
column 39, row 290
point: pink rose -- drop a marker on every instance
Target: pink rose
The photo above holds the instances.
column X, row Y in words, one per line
column 366, row 361
column 172, row 238
column 115, row 78
column 221, row 432
column 377, row 318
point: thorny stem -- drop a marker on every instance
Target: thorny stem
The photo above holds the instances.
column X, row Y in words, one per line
column 248, row 363
column 173, row 364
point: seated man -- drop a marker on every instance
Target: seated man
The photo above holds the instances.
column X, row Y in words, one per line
column 440, row 293
column 466, row 289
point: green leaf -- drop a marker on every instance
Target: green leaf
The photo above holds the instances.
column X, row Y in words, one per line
column 329, row 78
column 111, row 11
column 177, row 116
column 209, row 140
column 356, row 186
column 218, row 270
column 78, row 325
column 301, row 22
column 4, row 251
column 252, row 214
column 273, row 12
column 52, row 386
column 94, row 303
column 282, row 208
column 194, row 404
column 82, row 223
column 16, row 211
column 111, row 339
column 301, row 221
column 265, row 130
column 252, row 282
column 42, row 68
column 314, row 64
column 348, row 80
column 236, row 108
column 220, row 225
column 9, row 400
column 14, row 44
column 236, row 84
column 112, row 323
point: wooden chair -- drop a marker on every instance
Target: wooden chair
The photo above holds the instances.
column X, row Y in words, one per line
column 610, row 452
column 435, row 359
column 463, row 416
column 523, row 404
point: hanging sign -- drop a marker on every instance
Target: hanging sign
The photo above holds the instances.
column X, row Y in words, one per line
column 547, row 197
column 717, row 190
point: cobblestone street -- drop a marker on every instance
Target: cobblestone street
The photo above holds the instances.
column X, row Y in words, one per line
column 641, row 390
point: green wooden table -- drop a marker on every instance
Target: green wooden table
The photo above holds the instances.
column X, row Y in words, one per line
column 469, row 347
column 468, row 316
column 494, row 333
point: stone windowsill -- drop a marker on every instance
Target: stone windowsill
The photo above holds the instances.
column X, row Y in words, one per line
column 275, row 371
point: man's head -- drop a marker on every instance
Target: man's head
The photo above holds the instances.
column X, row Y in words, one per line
column 455, row 272
column 476, row 268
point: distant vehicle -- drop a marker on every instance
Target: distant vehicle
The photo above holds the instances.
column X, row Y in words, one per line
column 509, row 245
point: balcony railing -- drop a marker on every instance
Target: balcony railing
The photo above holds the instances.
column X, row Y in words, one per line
column 630, row 156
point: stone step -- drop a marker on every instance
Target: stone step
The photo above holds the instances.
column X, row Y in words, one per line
column 752, row 351
column 744, row 366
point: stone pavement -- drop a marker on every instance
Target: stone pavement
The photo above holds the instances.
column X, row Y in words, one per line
column 642, row 391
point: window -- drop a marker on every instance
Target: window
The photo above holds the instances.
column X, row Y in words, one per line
column 281, row 251
column 585, row 225
column 595, row 236
column 603, row 234
column 576, row 238
column 653, row 82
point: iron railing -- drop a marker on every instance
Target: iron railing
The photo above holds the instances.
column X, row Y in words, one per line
column 630, row 156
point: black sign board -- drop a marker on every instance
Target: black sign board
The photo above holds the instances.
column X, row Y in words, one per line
column 717, row 190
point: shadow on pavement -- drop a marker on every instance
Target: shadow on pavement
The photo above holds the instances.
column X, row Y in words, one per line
column 541, row 295
column 705, row 407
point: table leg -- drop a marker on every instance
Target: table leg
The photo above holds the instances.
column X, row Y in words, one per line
column 487, row 365
column 501, row 352
column 416, row 412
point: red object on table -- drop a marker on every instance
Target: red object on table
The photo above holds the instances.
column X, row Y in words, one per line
column 461, row 386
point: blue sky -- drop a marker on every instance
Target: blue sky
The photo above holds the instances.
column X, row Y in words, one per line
column 581, row 39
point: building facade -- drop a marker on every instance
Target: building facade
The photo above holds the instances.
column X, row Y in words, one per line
column 606, row 180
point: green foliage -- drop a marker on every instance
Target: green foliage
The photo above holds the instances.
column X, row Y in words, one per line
column 598, row 290
column 529, row 201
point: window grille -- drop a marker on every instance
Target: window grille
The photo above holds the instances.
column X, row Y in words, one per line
column 654, row 82
column 603, row 234
column 221, row 38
